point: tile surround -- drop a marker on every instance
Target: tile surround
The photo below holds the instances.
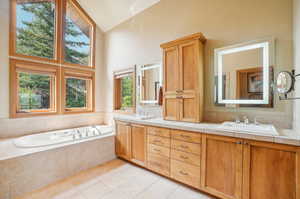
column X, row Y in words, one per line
column 26, row 126
column 27, row 173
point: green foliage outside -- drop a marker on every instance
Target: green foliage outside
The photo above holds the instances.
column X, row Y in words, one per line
column 33, row 95
column 127, row 89
column 76, row 93
column 35, row 37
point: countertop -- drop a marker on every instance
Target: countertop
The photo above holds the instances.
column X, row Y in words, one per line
column 286, row 136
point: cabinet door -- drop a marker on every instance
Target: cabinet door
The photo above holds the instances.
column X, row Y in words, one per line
column 221, row 171
column 171, row 83
column 191, row 70
column 123, row 140
column 270, row 171
column 138, row 144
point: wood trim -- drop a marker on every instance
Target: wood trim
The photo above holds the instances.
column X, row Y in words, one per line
column 196, row 36
column 58, row 57
column 35, row 68
column 117, row 90
column 88, row 75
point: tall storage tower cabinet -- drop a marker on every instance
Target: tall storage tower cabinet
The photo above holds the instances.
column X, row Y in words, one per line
column 183, row 64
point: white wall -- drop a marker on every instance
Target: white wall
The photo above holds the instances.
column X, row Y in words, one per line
column 16, row 127
column 297, row 61
column 224, row 23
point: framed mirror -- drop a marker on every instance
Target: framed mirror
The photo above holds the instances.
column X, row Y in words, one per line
column 244, row 73
column 149, row 81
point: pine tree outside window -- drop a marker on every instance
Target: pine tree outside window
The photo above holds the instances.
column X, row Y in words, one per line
column 77, row 36
column 61, row 34
column 33, row 89
column 78, row 91
column 124, row 91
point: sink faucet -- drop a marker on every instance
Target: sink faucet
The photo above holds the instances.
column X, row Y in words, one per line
column 246, row 120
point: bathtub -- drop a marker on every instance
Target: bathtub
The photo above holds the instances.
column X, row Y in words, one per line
column 63, row 136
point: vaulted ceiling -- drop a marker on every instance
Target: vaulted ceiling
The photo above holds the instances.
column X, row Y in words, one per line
column 110, row 13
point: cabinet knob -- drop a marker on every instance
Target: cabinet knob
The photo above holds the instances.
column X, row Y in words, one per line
column 185, row 136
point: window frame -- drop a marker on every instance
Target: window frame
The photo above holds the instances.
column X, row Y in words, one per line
column 117, row 76
column 80, row 74
column 13, row 34
column 35, row 68
column 87, row 18
column 59, row 44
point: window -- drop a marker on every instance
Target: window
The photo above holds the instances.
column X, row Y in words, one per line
column 37, row 33
column 61, row 34
column 78, row 36
column 33, row 89
column 34, row 28
column 124, row 99
column 78, row 91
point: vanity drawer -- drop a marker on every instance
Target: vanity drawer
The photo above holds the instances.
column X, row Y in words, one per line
column 186, row 136
column 159, row 132
column 185, row 173
column 186, row 147
column 160, row 141
column 159, row 150
column 186, row 157
column 159, row 164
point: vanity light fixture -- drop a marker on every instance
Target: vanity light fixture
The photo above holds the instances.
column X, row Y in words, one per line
column 285, row 83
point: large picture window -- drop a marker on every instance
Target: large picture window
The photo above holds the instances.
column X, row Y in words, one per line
column 78, row 36
column 57, row 31
column 34, row 28
column 61, row 34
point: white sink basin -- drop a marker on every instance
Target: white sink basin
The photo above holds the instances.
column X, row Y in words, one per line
column 267, row 129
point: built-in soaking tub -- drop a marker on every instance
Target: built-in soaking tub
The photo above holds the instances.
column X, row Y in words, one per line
column 64, row 136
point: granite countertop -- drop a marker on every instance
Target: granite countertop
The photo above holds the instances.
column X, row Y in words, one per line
column 285, row 136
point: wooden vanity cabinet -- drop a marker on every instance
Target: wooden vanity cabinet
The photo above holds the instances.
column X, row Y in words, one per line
column 226, row 167
column 183, row 64
column 138, row 144
column 271, row 171
column 123, row 140
column 221, row 166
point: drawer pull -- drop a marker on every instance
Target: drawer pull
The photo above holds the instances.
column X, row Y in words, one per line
column 157, row 150
column 184, row 157
column 185, row 136
column 183, row 173
column 184, row 147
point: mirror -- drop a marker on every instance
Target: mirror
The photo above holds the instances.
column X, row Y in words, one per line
column 243, row 74
column 284, row 82
column 149, row 82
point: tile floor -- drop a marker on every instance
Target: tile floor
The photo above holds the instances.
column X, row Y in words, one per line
column 116, row 180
